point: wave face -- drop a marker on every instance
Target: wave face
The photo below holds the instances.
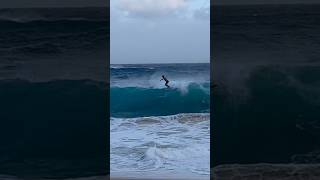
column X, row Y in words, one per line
column 133, row 102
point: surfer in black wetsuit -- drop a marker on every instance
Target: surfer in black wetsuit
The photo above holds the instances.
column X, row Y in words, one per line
column 166, row 80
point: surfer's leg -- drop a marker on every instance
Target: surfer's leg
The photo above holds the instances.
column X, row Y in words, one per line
column 167, row 84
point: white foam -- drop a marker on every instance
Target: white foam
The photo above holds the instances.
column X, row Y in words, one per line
column 178, row 143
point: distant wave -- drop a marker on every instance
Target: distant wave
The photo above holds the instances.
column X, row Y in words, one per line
column 54, row 14
column 118, row 67
column 47, row 37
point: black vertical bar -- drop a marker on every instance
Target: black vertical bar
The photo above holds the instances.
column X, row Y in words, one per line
column 54, row 93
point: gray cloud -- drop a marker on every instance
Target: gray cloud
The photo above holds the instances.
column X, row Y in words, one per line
column 203, row 13
column 151, row 8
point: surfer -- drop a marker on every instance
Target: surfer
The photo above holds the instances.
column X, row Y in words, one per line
column 166, row 80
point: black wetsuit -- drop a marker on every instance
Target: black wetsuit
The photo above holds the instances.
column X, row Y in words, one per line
column 166, row 80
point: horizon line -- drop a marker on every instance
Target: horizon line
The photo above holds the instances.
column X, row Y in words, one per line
column 162, row 63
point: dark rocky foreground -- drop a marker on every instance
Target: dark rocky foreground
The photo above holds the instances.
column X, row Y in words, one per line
column 267, row 172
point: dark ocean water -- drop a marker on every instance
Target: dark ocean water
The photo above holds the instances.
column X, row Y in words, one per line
column 44, row 44
column 266, row 61
column 53, row 92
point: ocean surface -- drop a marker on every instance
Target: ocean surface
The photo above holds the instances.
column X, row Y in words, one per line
column 42, row 44
column 266, row 62
column 53, row 92
column 158, row 130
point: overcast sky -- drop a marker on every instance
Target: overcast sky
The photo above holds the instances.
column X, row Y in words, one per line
column 160, row 31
